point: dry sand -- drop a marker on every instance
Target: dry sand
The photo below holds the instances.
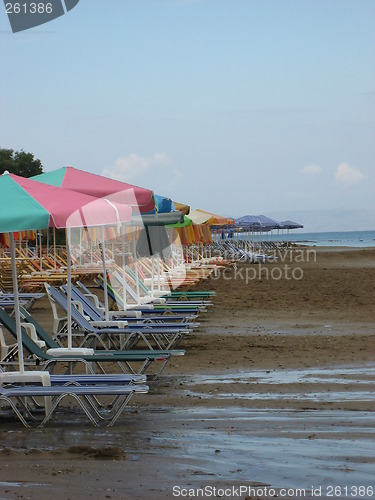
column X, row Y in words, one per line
column 275, row 391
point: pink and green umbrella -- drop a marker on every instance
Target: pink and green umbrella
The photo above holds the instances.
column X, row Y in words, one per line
column 26, row 204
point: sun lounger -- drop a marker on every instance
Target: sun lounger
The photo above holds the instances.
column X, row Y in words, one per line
column 190, row 297
column 241, row 251
column 22, row 400
column 86, row 378
column 50, row 343
column 124, row 336
column 95, row 314
column 148, row 298
column 148, row 308
column 129, row 361
column 28, row 299
column 134, row 315
column 8, row 303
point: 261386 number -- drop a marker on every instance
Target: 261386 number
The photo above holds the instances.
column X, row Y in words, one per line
column 350, row 491
column 32, row 8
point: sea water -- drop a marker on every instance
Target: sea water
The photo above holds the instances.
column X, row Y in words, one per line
column 339, row 239
column 359, row 239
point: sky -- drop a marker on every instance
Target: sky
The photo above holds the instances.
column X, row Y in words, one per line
column 232, row 106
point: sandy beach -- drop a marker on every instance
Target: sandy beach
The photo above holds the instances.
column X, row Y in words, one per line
column 275, row 394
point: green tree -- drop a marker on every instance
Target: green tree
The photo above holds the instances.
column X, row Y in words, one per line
column 19, row 162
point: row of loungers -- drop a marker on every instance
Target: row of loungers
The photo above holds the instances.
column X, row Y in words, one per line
column 134, row 341
column 90, row 329
column 51, row 267
column 244, row 251
column 95, row 362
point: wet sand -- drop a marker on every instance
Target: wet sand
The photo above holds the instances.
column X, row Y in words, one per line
column 276, row 391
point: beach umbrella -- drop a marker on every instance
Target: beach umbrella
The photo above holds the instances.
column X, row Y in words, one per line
column 183, row 222
column 163, row 205
column 214, row 221
column 182, row 207
column 198, row 217
column 269, row 223
column 141, row 200
column 258, row 222
column 217, row 220
column 26, row 205
column 289, row 224
column 68, row 208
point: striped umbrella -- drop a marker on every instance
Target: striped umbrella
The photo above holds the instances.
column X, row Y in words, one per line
column 26, row 204
column 141, row 200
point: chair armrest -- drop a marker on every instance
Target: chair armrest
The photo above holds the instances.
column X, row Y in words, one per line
column 4, row 347
column 105, row 324
column 157, row 300
column 93, row 298
column 31, row 332
column 125, row 314
column 78, row 305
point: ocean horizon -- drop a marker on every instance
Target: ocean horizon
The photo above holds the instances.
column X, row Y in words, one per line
column 360, row 239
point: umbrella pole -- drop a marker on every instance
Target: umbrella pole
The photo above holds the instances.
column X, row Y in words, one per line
column 136, row 264
column 16, row 304
column 80, row 246
column 159, row 288
column 152, row 277
column 123, row 265
column 40, row 251
column 69, row 291
column 54, row 246
column 105, row 276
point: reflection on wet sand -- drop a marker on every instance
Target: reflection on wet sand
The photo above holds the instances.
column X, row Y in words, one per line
column 217, row 446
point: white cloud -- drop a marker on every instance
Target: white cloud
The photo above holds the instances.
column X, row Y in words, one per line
column 312, row 169
column 347, row 175
column 132, row 167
